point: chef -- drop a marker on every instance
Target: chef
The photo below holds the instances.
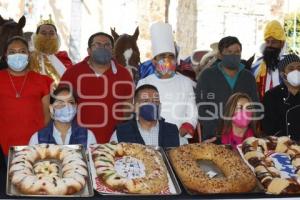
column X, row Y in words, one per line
column 282, row 103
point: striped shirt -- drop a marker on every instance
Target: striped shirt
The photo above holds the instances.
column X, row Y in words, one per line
column 149, row 136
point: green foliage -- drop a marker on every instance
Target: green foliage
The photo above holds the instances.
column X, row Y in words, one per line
column 289, row 27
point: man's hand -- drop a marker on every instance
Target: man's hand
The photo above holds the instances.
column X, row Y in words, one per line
column 183, row 131
column 186, row 130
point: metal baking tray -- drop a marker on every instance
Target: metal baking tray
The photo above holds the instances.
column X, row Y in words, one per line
column 240, row 151
column 11, row 190
column 207, row 166
column 173, row 183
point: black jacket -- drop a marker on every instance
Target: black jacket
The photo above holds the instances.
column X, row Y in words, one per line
column 282, row 113
column 2, row 172
column 212, row 93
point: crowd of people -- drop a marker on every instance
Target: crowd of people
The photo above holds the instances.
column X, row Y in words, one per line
column 45, row 98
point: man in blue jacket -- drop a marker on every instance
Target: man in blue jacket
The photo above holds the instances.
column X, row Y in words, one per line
column 147, row 127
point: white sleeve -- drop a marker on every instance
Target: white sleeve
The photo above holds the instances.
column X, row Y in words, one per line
column 141, row 82
column 34, row 139
column 91, row 138
column 114, row 137
column 183, row 140
column 191, row 112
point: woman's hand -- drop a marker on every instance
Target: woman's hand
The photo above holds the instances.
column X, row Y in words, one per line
column 210, row 140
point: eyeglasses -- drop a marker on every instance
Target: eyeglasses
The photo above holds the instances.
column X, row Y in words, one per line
column 100, row 45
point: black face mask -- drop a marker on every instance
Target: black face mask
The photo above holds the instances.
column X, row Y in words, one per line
column 271, row 57
column 231, row 61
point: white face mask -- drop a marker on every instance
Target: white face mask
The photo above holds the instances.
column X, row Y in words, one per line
column 64, row 114
column 294, row 78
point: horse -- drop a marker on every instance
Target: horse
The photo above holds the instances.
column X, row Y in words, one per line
column 126, row 51
column 9, row 28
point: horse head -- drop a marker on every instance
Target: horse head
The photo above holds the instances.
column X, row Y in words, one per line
column 9, row 28
column 126, row 51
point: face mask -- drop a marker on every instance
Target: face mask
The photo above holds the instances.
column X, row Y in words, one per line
column 45, row 44
column 166, row 66
column 231, row 61
column 65, row 114
column 17, row 62
column 242, row 118
column 101, row 56
column 149, row 111
column 294, row 78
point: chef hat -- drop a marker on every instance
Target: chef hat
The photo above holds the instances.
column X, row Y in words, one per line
column 275, row 30
column 162, row 38
column 288, row 59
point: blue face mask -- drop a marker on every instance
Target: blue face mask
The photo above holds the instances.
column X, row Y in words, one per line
column 65, row 114
column 17, row 62
column 101, row 56
column 149, row 111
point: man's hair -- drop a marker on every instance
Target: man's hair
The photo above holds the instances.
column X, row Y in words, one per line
column 144, row 87
column 228, row 41
column 39, row 27
column 59, row 90
column 99, row 34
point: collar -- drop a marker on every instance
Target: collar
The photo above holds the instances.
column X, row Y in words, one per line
column 113, row 67
column 158, row 75
column 58, row 138
column 112, row 64
column 165, row 79
column 241, row 67
column 285, row 89
column 287, row 97
column 141, row 128
column 249, row 132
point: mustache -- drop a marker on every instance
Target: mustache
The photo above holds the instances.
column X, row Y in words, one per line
column 271, row 57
